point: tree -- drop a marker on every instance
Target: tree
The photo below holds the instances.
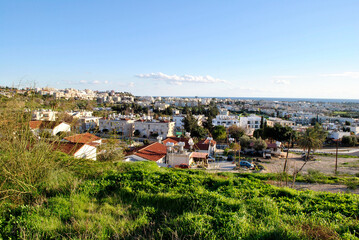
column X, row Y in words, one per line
column 309, row 140
column 199, row 132
column 208, row 124
column 110, row 151
column 236, row 132
column 219, row 133
column 245, row 141
column 349, row 141
column 258, row 133
column 212, row 110
column 190, row 124
column 259, row 144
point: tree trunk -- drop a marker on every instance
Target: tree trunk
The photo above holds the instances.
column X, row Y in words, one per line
column 300, row 169
column 285, row 164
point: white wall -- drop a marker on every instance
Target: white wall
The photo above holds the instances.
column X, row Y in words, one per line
column 87, row 152
column 62, row 127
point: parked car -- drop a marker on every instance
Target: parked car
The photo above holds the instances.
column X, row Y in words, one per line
column 230, row 158
column 246, row 164
column 183, row 166
column 221, row 158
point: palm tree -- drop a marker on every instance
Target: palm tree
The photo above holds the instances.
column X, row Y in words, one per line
column 309, row 140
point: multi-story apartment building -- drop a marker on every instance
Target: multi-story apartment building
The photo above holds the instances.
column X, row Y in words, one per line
column 122, row 126
column 143, row 128
column 44, row 115
column 285, row 123
column 88, row 123
column 250, row 122
column 225, row 120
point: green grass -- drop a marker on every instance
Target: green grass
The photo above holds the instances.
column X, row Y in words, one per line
column 329, row 155
column 142, row 201
column 333, row 155
column 351, row 164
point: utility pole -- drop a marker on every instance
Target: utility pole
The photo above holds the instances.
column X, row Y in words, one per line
column 336, row 157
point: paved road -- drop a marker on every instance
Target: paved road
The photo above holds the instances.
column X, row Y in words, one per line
column 221, row 166
column 347, row 151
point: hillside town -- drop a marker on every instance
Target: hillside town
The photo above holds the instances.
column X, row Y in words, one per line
column 180, row 130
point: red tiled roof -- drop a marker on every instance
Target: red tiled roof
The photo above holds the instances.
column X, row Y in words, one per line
column 152, row 152
column 67, row 147
column 35, row 124
column 207, row 141
column 82, row 138
column 170, row 139
column 43, row 124
column 199, row 155
column 201, row 145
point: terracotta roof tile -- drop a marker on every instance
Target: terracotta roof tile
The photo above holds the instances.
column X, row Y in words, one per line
column 67, row 147
column 152, row 152
column 35, row 124
column 82, row 138
column 43, row 124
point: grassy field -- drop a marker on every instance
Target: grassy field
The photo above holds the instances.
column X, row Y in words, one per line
column 90, row 200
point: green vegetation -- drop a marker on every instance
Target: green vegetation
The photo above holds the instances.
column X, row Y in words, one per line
column 354, row 164
column 346, row 114
column 333, row 155
column 49, row 195
column 139, row 200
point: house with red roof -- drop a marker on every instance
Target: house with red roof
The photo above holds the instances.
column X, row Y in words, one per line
column 84, row 138
column 207, row 145
column 52, row 127
column 155, row 152
column 171, row 152
column 77, row 150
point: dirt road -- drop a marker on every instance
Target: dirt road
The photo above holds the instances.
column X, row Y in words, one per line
column 323, row 164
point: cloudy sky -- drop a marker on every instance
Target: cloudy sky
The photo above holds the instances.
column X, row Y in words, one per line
column 284, row 48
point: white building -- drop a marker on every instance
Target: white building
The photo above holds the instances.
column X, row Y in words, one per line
column 225, row 120
column 53, row 128
column 78, row 150
column 87, row 123
column 250, row 122
column 148, row 129
column 284, row 123
column 338, row 135
column 122, row 126
column 44, row 115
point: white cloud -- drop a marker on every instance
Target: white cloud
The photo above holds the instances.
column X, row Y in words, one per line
column 285, row 77
column 344, row 74
column 281, row 82
column 83, row 81
column 122, row 84
column 178, row 80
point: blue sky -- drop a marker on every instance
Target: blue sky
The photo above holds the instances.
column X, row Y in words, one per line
column 184, row 48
